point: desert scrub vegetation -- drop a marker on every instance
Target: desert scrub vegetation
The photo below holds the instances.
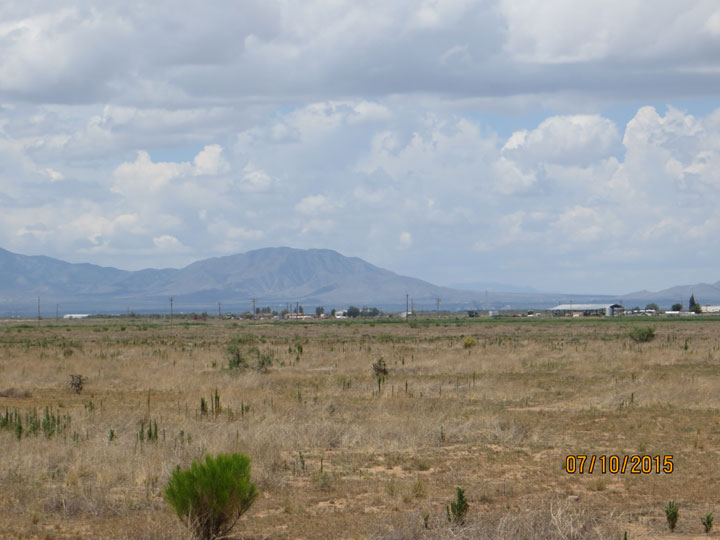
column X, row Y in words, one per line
column 554, row 520
column 210, row 496
column 498, row 421
column 458, row 508
column 672, row 513
column 642, row 334
column 707, row 522
column 29, row 423
column 243, row 353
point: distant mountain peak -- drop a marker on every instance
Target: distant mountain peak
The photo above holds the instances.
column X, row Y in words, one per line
column 274, row 276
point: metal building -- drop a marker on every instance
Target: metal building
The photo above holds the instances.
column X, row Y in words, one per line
column 587, row 310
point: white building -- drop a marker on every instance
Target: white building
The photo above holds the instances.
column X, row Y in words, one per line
column 587, row 310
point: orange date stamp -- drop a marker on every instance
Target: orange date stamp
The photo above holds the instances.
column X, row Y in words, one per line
column 615, row 464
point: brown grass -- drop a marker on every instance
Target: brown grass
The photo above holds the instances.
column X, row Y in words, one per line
column 335, row 458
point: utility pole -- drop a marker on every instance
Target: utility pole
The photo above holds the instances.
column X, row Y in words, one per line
column 38, row 310
column 219, row 310
column 253, row 301
column 171, row 310
column 437, row 305
column 57, row 312
column 407, row 306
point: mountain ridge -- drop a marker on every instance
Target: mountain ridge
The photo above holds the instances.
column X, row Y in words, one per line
column 274, row 276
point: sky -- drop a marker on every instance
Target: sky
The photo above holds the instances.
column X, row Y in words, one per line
column 570, row 146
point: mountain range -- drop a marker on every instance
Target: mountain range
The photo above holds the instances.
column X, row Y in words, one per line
column 275, row 277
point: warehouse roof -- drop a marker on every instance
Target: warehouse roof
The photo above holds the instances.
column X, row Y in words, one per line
column 583, row 307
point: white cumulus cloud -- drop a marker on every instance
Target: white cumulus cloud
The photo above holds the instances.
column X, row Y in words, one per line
column 315, row 205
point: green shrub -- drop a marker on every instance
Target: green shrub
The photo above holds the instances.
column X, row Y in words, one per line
column 242, row 357
column 642, row 334
column 210, row 497
column 671, row 513
column 458, row 508
column 236, row 356
column 469, row 342
column 707, row 521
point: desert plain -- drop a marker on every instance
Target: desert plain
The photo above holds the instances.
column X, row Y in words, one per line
column 494, row 406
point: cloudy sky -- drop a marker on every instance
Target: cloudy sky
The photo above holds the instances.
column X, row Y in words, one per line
column 560, row 144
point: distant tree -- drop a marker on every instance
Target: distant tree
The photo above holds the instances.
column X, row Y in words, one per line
column 257, row 311
column 353, row 311
column 332, row 312
column 653, row 306
column 677, row 307
column 319, row 311
column 301, row 310
column 693, row 305
column 284, row 312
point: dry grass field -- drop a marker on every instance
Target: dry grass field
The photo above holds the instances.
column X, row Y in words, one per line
column 491, row 406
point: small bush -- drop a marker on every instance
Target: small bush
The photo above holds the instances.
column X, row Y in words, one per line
column 264, row 360
column 458, row 508
column 242, row 357
column 236, row 356
column 419, row 489
column 707, row 521
column 642, row 334
column 210, row 497
column 380, row 367
column 469, row 342
column 77, row 382
column 671, row 513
